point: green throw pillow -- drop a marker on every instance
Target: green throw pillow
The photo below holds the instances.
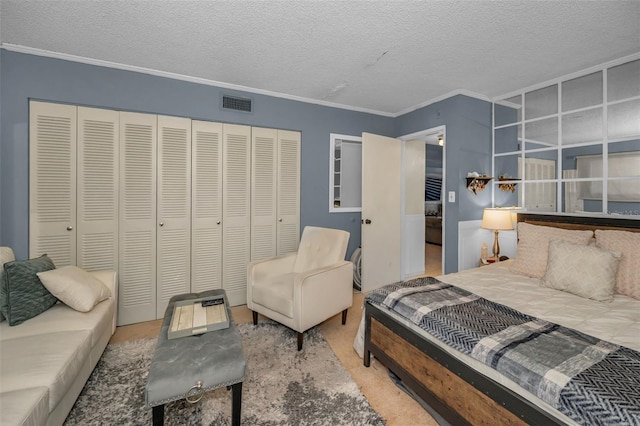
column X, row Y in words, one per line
column 21, row 291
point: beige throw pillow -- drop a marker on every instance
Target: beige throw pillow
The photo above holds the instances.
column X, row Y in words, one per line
column 585, row 271
column 533, row 246
column 75, row 287
column 627, row 243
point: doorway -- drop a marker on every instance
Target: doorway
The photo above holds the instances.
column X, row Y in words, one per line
column 430, row 248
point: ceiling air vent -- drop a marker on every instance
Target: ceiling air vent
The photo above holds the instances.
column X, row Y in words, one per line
column 236, row 103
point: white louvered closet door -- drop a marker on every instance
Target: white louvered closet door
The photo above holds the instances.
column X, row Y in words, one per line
column 288, row 213
column 264, row 143
column 52, row 182
column 206, row 206
column 97, row 190
column 538, row 196
column 137, row 227
column 174, row 209
column 236, row 211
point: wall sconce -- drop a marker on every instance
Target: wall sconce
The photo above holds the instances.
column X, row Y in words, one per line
column 440, row 140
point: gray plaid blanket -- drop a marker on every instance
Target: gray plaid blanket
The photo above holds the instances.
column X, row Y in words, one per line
column 590, row 380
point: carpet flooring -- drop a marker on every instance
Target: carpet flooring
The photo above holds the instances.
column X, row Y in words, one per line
column 282, row 386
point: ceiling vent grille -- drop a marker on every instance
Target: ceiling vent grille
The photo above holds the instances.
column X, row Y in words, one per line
column 236, row 103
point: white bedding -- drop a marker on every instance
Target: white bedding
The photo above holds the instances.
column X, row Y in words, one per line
column 617, row 321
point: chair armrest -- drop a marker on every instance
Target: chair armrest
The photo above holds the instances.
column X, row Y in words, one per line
column 267, row 268
column 260, row 270
column 321, row 293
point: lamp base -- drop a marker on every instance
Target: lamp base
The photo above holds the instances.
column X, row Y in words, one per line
column 496, row 245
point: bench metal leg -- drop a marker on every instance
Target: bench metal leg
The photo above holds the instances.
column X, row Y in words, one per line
column 158, row 415
column 236, row 403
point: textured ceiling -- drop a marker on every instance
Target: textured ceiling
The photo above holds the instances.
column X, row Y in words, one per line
column 379, row 56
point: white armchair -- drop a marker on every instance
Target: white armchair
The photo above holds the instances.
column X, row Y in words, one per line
column 300, row 290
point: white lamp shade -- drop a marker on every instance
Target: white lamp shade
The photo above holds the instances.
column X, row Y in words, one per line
column 497, row 219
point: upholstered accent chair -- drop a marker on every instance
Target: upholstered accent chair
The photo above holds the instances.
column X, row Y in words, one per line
column 300, row 290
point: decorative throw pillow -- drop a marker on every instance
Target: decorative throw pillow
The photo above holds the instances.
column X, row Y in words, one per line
column 75, row 287
column 585, row 271
column 25, row 296
column 533, row 246
column 6, row 255
column 627, row 243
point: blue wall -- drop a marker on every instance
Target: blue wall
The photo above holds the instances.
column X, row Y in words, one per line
column 26, row 77
column 467, row 149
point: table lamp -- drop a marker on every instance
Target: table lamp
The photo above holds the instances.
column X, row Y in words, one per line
column 496, row 220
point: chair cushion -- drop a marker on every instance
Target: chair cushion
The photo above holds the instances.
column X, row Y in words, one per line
column 21, row 291
column 320, row 247
column 276, row 293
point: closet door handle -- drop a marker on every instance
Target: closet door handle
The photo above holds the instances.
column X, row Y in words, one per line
column 69, row 228
column 367, row 221
column 218, row 223
column 161, row 223
column 280, row 220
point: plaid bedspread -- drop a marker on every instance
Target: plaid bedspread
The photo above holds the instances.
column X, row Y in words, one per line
column 590, row 380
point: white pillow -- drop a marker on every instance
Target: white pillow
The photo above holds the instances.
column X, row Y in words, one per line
column 627, row 243
column 533, row 246
column 585, row 271
column 75, row 287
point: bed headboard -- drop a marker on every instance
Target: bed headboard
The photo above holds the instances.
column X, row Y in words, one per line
column 581, row 222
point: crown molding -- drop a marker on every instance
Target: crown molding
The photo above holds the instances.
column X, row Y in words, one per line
column 447, row 95
column 175, row 76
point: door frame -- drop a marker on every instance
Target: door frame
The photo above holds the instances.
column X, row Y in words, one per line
column 429, row 136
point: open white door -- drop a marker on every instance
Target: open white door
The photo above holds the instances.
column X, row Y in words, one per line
column 381, row 211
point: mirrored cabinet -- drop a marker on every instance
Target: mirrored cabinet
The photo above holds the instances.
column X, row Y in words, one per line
column 573, row 146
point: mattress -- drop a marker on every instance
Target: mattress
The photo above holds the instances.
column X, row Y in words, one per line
column 617, row 321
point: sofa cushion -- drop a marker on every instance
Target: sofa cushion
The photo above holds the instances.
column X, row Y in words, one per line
column 52, row 360
column 276, row 293
column 60, row 317
column 25, row 407
column 21, row 290
column 74, row 287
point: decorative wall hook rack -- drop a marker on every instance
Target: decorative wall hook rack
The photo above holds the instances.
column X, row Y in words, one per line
column 508, row 185
column 478, row 183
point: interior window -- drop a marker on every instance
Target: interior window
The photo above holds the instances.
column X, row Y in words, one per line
column 571, row 147
column 345, row 174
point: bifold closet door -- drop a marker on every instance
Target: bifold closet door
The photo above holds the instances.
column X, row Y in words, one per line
column 206, row 206
column 275, row 192
column 97, row 189
column 174, row 210
column 52, row 182
column 264, row 152
column 288, row 190
column 236, row 213
column 137, row 227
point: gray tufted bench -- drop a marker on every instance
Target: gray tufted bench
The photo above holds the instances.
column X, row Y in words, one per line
column 187, row 367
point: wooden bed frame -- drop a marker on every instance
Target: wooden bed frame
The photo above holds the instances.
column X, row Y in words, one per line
column 457, row 392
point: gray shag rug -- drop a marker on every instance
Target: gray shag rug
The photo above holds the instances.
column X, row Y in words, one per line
column 282, row 386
